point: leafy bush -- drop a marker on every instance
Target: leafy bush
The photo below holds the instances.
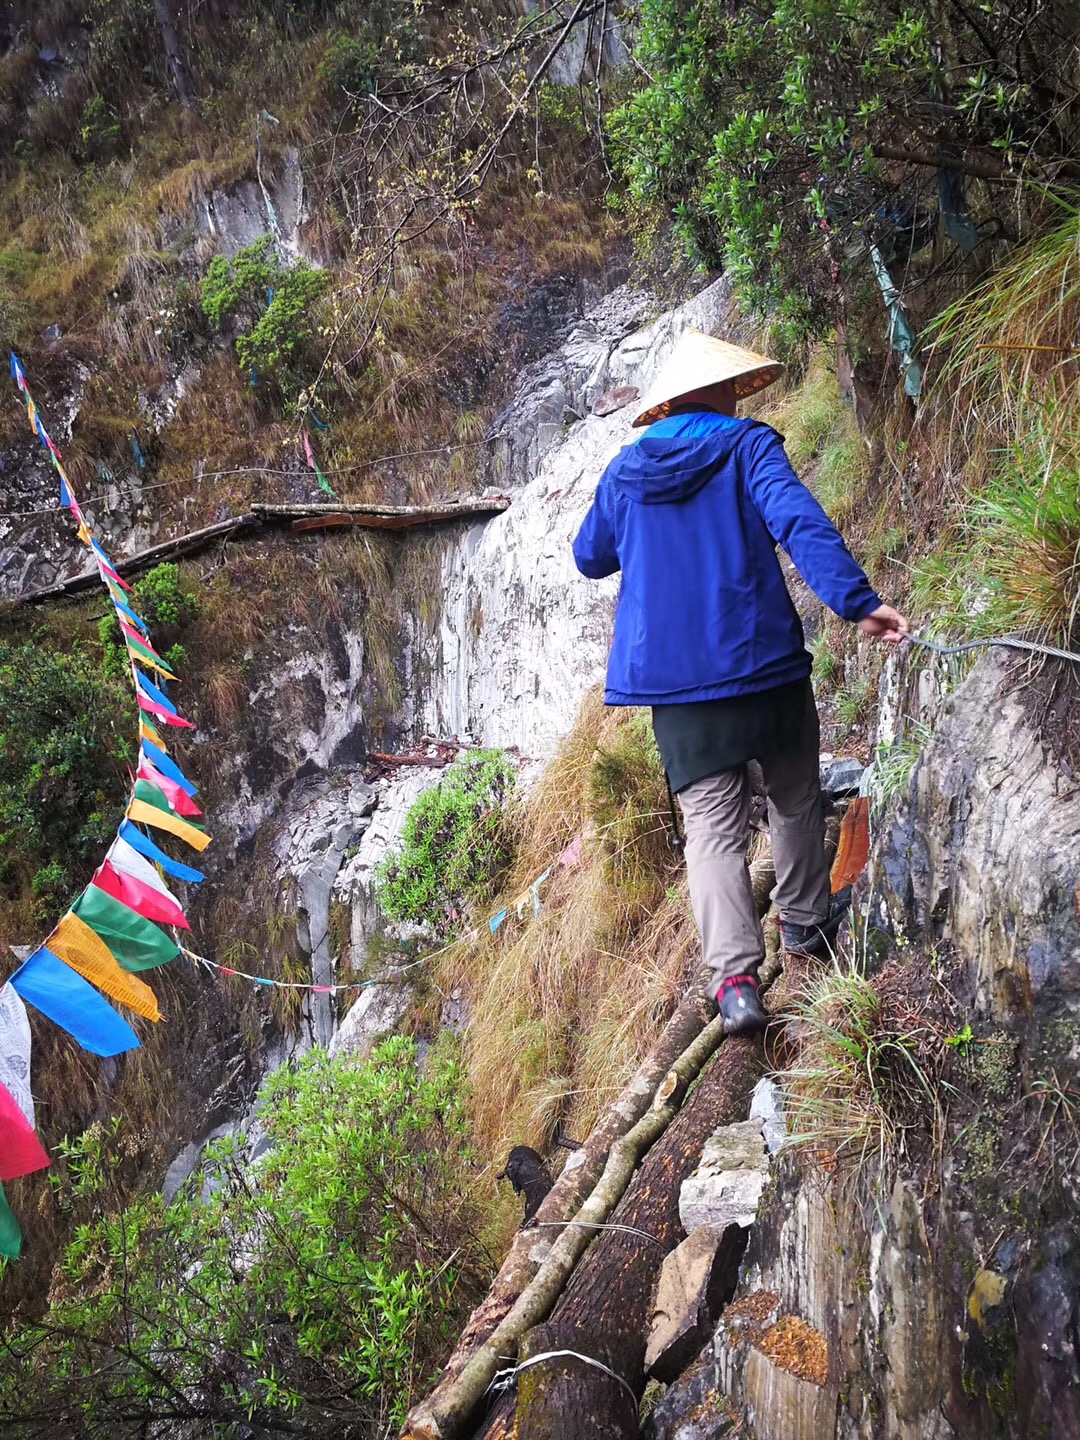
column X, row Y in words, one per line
column 166, row 605
column 761, row 130
column 313, row 1291
column 349, row 65
column 255, row 289
column 455, row 844
column 65, row 735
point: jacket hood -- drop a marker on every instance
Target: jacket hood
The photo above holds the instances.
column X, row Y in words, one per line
column 661, row 469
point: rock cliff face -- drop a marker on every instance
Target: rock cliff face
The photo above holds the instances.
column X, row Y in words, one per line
column 943, row 1298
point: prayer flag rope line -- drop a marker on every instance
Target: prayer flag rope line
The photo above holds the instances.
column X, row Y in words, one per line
column 113, row 930
column 529, row 897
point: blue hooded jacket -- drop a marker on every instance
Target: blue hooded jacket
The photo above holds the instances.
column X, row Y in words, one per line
column 692, row 514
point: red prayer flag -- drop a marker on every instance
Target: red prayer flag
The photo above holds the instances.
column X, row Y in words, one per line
column 153, row 708
column 21, row 1152
column 143, row 899
column 178, row 798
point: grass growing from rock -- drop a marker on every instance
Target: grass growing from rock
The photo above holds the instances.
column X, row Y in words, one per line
column 563, row 1005
column 867, row 1075
column 455, row 845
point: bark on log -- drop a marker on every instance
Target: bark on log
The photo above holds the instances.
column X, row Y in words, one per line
column 189, row 544
column 604, row 1310
column 578, row 1177
column 378, row 517
column 460, row 1400
column 385, row 514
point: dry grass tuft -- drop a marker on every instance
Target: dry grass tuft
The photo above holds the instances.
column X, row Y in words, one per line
column 563, row 1005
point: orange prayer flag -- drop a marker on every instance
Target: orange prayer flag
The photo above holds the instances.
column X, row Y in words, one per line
column 144, row 814
column 853, row 850
column 84, row 950
column 147, row 732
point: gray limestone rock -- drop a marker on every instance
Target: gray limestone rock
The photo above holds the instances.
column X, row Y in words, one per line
column 726, row 1187
column 767, row 1108
column 696, row 1281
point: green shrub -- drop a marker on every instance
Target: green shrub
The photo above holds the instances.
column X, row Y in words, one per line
column 66, row 730
column 456, row 843
column 310, row 1293
column 166, row 605
column 758, row 129
column 349, row 65
column 273, row 301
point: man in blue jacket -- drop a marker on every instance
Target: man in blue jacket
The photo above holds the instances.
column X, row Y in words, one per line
column 707, row 634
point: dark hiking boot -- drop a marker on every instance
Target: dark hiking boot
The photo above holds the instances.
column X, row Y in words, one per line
column 818, row 940
column 740, row 1005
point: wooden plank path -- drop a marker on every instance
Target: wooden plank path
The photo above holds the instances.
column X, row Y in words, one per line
column 299, row 518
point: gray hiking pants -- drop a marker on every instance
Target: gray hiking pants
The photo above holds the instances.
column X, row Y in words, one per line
column 716, row 816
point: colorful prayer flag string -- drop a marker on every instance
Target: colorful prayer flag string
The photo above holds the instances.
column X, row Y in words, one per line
column 112, row 931
column 570, row 857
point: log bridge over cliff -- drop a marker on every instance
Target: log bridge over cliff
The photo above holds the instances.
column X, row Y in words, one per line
column 579, row 1281
column 299, row 519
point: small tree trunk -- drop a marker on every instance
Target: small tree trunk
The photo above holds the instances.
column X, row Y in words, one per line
column 174, row 56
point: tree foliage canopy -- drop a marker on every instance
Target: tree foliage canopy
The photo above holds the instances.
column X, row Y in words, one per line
column 306, row 1294
column 785, row 136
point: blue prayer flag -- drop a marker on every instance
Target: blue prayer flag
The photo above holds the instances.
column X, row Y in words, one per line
column 145, row 846
column 65, row 998
column 496, row 921
column 149, row 688
column 168, row 767
column 127, row 611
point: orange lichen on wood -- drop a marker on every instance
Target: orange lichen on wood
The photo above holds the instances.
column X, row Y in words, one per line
column 794, row 1345
column 749, row 1317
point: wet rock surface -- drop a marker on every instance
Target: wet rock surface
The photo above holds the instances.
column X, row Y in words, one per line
column 727, row 1186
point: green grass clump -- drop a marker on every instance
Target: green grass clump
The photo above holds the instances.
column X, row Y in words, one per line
column 866, row 1070
column 1013, row 565
column 894, row 764
column 456, row 843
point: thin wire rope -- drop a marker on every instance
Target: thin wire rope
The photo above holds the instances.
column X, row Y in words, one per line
column 354, row 469
column 1006, row 641
column 505, row 1378
column 311, row 985
column 598, row 1225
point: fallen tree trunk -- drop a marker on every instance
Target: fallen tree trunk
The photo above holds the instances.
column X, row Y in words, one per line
column 535, row 1303
column 189, row 544
column 604, row 1311
column 440, row 1414
column 259, row 517
column 381, row 517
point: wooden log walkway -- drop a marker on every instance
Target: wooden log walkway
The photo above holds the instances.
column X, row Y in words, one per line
column 298, row 518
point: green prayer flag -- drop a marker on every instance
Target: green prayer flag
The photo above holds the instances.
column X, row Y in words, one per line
column 325, row 483
column 10, row 1234
column 153, row 795
column 137, row 943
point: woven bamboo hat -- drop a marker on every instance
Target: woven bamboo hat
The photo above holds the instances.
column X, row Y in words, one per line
column 699, row 360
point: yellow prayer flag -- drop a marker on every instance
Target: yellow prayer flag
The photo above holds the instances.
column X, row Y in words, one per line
column 83, row 949
column 83, row 533
column 144, row 814
column 151, row 663
column 147, row 732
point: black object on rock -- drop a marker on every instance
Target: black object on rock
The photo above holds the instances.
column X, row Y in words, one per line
column 527, row 1173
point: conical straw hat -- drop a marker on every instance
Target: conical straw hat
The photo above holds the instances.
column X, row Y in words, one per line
column 699, row 360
